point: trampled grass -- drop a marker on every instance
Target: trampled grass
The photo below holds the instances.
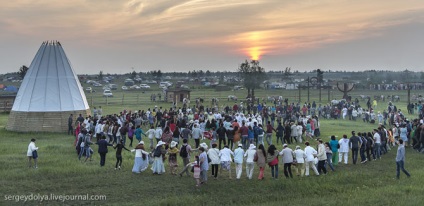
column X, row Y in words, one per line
column 61, row 173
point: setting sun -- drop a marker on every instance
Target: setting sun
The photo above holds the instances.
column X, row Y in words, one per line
column 254, row 53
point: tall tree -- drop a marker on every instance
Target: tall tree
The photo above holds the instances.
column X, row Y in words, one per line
column 253, row 75
column 100, row 77
column 133, row 74
column 287, row 73
column 22, row 71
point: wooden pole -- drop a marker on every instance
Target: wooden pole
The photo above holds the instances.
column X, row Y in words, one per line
column 300, row 99
column 308, row 89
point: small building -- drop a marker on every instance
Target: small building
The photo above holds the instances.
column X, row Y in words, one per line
column 6, row 102
column 177, row 94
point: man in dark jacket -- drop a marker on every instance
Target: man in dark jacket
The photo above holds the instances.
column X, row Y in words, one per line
column 103, row 150
column 355, row 143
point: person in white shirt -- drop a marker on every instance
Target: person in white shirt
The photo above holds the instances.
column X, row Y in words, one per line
column 377, row 144
column 225, row 155
column 344, row 149
column 238, row 159
column 196, row 134
column 151, row 134
column 344, row 112
column 213, row 154
column 293, row 133
column 310, row 154
column 299, row 156
column 32, row 154
column 299, row 132
column 250, row 164
column 158, row 133
column 287, row 157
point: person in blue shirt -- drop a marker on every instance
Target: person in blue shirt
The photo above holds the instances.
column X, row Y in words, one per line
column 138, row 132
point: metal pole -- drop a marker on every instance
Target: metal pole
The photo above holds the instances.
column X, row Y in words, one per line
column 328, row 94
column 409, row 94
column 300, row 100
column 308, row 89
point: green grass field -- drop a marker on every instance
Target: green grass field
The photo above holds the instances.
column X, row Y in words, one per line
column 60, row 173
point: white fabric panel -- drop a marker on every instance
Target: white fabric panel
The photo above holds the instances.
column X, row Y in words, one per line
column 50, row 84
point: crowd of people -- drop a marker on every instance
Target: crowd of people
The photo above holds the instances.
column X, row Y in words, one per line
column 236, row 138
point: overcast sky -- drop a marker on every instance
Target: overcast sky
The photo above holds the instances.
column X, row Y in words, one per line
column 117, row 36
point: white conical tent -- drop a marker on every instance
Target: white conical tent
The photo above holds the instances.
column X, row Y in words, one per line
column 49, row 88
column 50, row 83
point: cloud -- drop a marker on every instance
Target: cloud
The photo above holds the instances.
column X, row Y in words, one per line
column 231, row 27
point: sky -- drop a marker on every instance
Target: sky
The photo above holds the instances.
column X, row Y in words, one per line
column 121, row 36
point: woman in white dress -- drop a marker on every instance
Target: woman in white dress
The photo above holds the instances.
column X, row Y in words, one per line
column 141, row 161
column 159, row 155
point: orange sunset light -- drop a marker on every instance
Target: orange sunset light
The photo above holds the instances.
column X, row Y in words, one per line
column 254, row 53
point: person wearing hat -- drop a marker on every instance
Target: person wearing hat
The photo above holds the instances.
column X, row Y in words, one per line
column 141, row 161
column 204, row 165
column 310, row 154
column 172, row 160
column 225, row 155
column 119, row 148
column 32, row 154
column 238, row 159
column 250, row 164
column 159, row 155
column 299, row 156
column 287, row 156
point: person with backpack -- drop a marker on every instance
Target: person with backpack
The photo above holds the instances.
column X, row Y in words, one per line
column 185, row 152
column 86, row 146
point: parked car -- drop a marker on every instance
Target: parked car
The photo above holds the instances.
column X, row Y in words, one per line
column 107, row 93
column 113, row 86
column 89, row 90
column 124, row 88
column 129, row 82
column 134, row 87
column 144, row 86
column 232, row 97
column 184, row 86
column 238, row 88
column 97, row 84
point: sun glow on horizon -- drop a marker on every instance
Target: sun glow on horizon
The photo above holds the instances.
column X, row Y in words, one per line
column 254, row 53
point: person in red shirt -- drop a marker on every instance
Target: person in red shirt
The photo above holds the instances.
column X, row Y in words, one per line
column 269, row 130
